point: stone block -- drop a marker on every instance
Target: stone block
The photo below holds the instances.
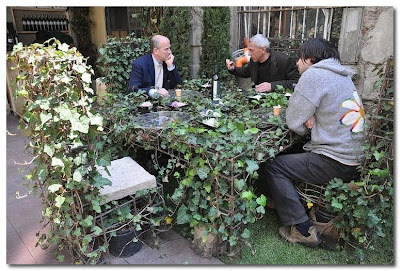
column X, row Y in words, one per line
column 127, row 178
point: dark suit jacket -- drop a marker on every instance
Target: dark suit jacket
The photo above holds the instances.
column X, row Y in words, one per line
column 143, row 75
column 283, row 70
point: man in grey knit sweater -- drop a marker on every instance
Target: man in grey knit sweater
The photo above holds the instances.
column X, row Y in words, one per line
column 326, row 104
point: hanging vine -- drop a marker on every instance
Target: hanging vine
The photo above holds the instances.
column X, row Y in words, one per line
column 82, row 25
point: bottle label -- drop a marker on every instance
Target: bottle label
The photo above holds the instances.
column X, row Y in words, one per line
column 215, row 89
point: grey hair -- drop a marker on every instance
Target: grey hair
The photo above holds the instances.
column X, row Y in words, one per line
column 260, row 41
column 154, row 43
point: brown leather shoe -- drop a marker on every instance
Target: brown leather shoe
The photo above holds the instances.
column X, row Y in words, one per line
column 291, row 234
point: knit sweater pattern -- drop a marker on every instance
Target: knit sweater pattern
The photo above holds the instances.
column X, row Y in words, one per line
column 325, row 90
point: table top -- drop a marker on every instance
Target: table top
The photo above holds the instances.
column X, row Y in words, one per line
column 160, row 119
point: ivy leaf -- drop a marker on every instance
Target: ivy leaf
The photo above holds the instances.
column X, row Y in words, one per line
column 177, row 194
column 262, row 200
column 59, row 201
column 97, row 230
column 87, row 222
column 49, row 150
column 64, row 112
column 213, row 212
column 260, row 209
column 77, row 176
column 207, row 187
column 373, row 219
column 251, row 131
column 104, row 161
column 54, row 187
column 77, row 232
column 247, row 195
column 239, row 184
column 57, row 162
column 336, row 204
column 381, row 173
column 42, row 172
column 203, row 172
column 45, row 117
column 81, row 125
column 79, row 68
column 96, row 208
column 245, row 234
column 251, row 166
column 99, row 181
column 182, row 216
column 379, row 155
column 86, row 77
column 96, row 120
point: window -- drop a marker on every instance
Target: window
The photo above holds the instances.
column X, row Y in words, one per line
column 117, row 21
column 288, row 27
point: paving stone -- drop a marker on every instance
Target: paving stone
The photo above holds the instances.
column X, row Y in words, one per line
column 145, row 256
column 169, row 236
column 117, row 261
column 163, row 261
column 176, row 246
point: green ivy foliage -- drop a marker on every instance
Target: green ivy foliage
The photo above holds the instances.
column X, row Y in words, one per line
column 175, row 24
column 214, row 167
column 64, row 135
column 82, row 25
column 215, row 42
column 116, row 57
column 365, row 207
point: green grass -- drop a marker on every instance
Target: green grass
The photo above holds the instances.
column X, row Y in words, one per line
column 267, row 247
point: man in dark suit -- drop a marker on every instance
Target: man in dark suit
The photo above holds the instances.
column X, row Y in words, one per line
column 155, row 72
column 267, row 68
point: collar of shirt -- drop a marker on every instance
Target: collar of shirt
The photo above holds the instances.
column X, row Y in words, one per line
column 156, row 63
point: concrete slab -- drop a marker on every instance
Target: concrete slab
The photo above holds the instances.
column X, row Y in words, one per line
column 127, row 178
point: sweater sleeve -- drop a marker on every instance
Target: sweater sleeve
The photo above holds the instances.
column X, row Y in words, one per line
column 300, row 109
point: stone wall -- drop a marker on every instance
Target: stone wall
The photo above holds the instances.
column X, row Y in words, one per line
column 376, row 46
column 196, row 23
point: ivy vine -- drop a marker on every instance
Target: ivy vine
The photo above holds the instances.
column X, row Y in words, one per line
column 82, row 25
column 215, row 42
column 115, row 61
column 65, row 141
column 365, row 207
column 175, row 24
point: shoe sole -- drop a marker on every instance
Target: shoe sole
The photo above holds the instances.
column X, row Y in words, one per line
column 311, row 244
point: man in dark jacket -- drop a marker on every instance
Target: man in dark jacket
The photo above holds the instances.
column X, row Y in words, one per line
column 155, row 72
column 267, row 68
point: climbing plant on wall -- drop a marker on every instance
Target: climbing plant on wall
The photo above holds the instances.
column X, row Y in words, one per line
column 175, row 24
column 81, row 25
column 115, row 61
column 215, row 41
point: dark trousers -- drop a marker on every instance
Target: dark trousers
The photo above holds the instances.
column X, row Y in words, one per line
column 308, row 167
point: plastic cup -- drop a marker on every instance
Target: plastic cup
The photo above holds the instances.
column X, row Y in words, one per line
column 178, row 92
column 277, row 110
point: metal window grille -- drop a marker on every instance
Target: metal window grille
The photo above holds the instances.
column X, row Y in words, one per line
column 288, row 27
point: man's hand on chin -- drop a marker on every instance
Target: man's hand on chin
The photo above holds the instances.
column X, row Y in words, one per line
column 170, row 61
